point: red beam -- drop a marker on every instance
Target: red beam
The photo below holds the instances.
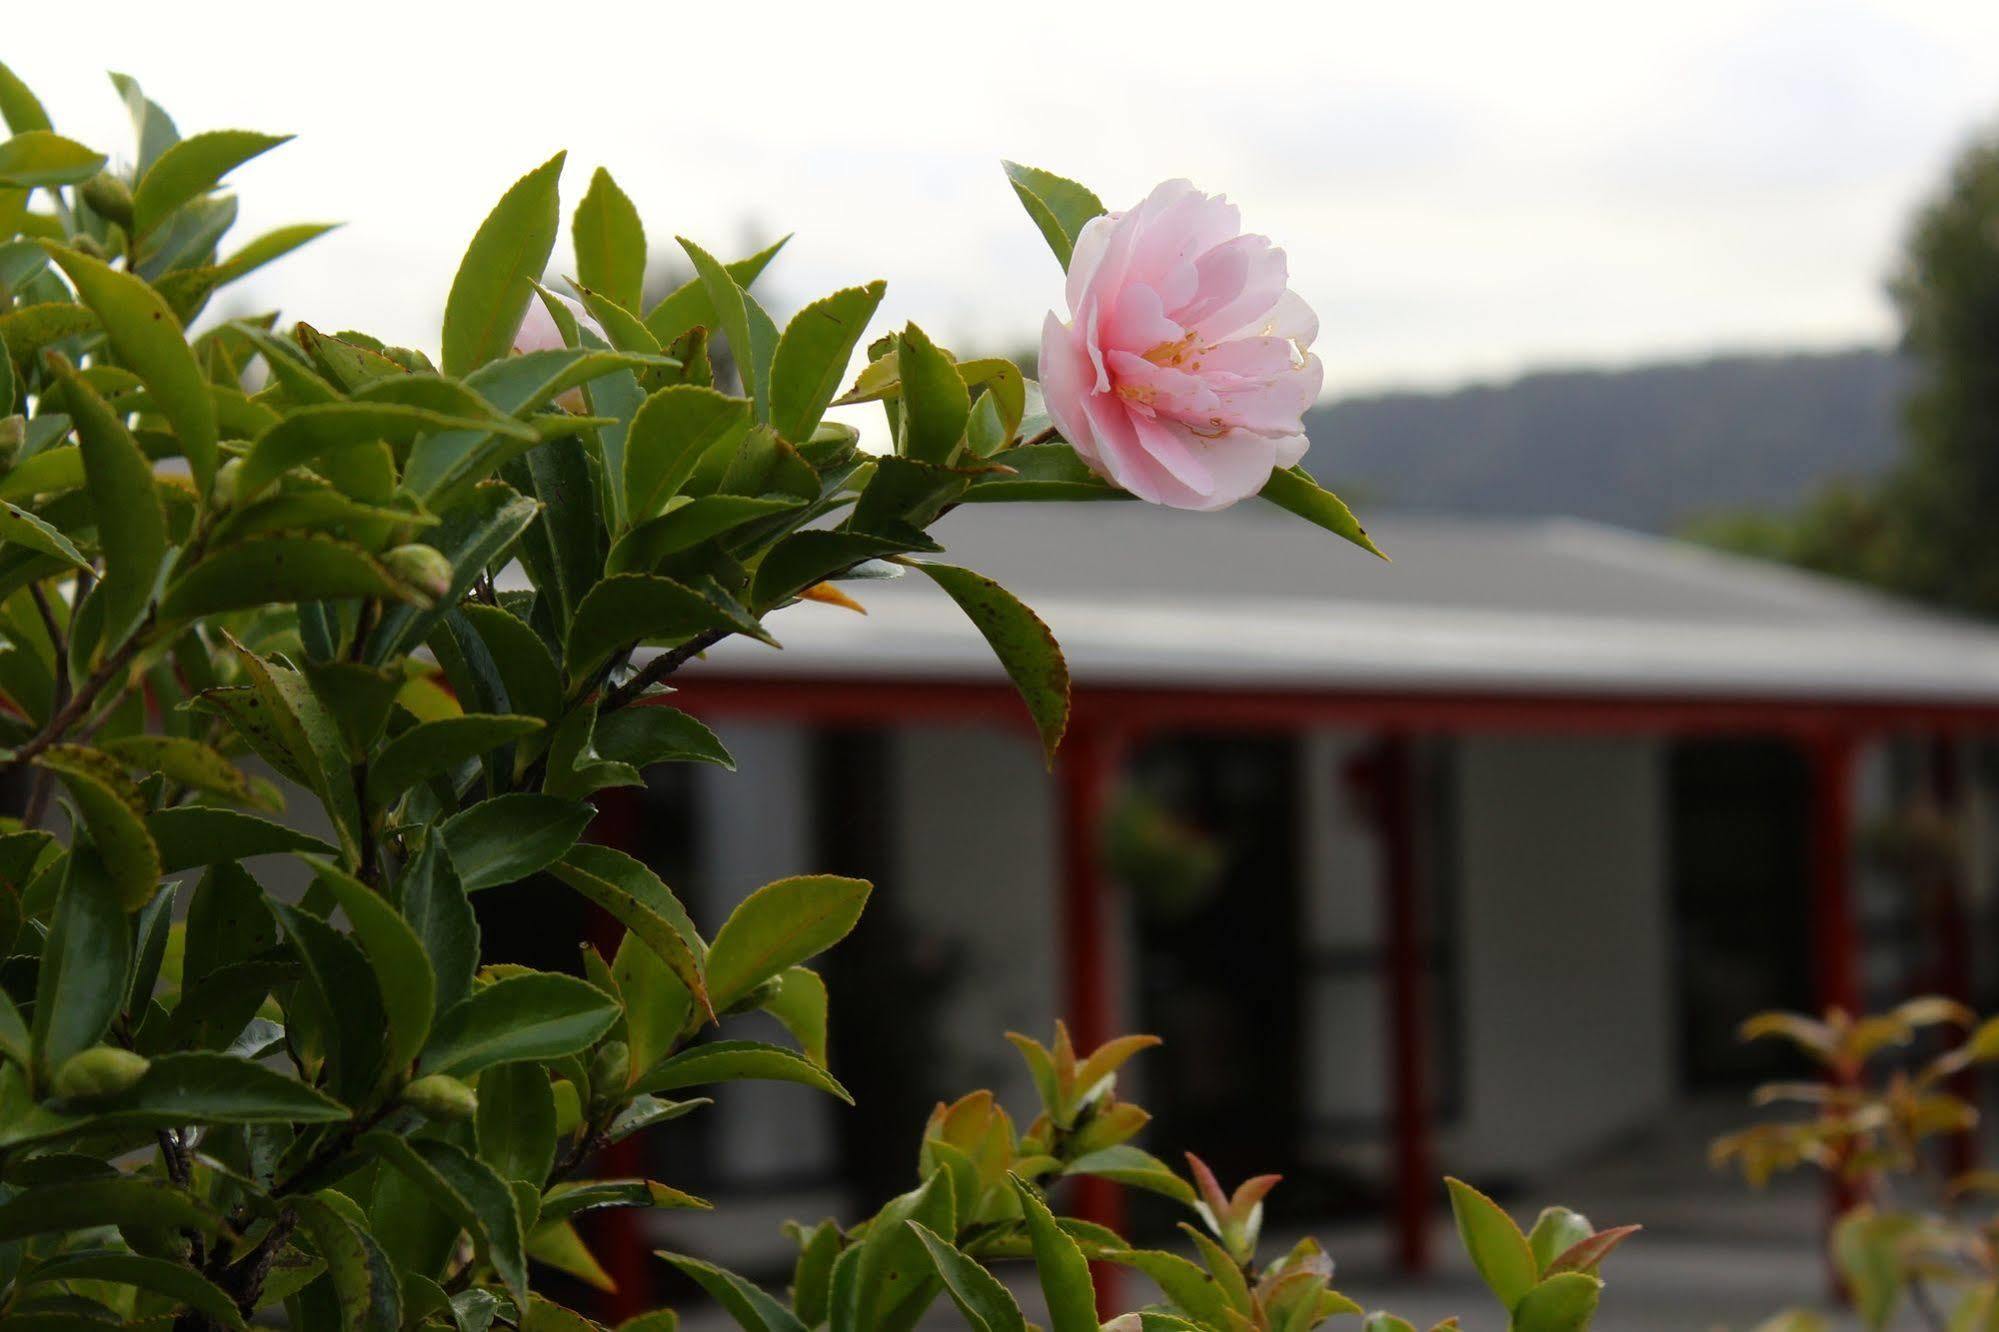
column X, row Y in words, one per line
column 1086, row 773
column 1131, row 708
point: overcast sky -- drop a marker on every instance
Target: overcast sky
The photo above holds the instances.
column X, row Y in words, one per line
column 1464, row 189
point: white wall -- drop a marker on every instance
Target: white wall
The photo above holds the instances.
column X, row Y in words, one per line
column 1565, row 945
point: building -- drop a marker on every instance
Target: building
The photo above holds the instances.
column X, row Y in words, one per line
column 1502, row 839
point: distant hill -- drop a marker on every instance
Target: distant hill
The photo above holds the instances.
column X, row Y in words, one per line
column 1647, row 447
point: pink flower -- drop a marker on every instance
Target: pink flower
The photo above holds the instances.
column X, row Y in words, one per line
column 1183, row 371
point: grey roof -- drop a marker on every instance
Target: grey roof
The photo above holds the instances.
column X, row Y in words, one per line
column 1255, row 599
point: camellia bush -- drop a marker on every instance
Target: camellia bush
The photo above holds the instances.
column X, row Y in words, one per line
column 438, row 592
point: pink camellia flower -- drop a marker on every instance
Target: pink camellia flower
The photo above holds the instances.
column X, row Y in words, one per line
column 1184, row 369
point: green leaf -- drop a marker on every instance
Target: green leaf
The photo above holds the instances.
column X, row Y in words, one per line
column 40, row 157
column 18, row 527
column 1555, row 1232
column 517, row 1122
column 193, row 835
column 687, row 523
column 321, row 433
column 147, row 338
column 936, row 405
column 89, row 1203
column 1497, row 1248
column 14, row 1040
column 735, row 1061
column 1041, row 473
column 751, row 1307
column 1059, row 207
column 893, row 1281
column 1127, row 1164
column 631, row 892
column 154, row 127
column 19, row 106
column 676, row 428
column 1030, row 654
column 985, row 1303
column 812, row 357
column 350, row 1007
column 649, row 734
column 284, row 568
column 131, row 525
column 81, row 983
column 111, row 808
column 431, row 896
column 439, row 747
column 191, row 764
column 193, row 167
column 272, row 245
column 506, row 839
column 202, row 1087
column 563, row 550
column 176, row 1281
column 363, row 1279
column 1868, row 1251
column 569, row 1199
column 470, row 1193
column 1563, row 1303
column 1294, row 490
column 401, row 966
column 358, row 698
column 630, row 608
column 731, row 308
column 610, row 242
column 510, row 249
column 688, row 305
column 1064, row 1273
column 1188, row 1285
column 539, row 1015
column 800, row 1004
column 659, row 1009
column 471, row 536
column 779, row 925
column 526, row 667
column 811, row 556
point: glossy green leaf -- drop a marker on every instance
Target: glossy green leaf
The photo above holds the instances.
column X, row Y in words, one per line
column 1127, row 1164
column 19, row 106
column 779, row 925
column 1060, row 1265
column 363, row 1279
column 510, row 249
column 689, row 305
column 147, row 337
column 735, row 1061
column 1564, row 1302
column 687, row 523
column 281, row 569
column 346, row 998
column 131, row 525
column 508, row 838
column 192, row 167
column 190, row 764
column 1023, row 644
column 799, row 1003
column 439, row 747
column 985, row 1303
column 748, row 1304
column 569, row 1199
column 649, row 734
column 175, row 1281
column 430, row 894
column 517, row 1122
column 310, row 434
column 526, row 667
column 935, row 402
column 401, row 966
column 1294, row 490
column 1060, row 208
column 18, row 527
column 15, row 1043
column 1555, row 1232
column 1497, row 1248
column 111, row 807
column 731, row 308
column 472, row 535
column 40, row 157
column 629, row 608
column 814, row 555
column 673, row 431
column 193, row 835
column 634, row 895
column 470, row 1193
column 1187, row 1284
column 81, row 983
column 812, row 357
column 539, row 1015
column 121, row 1201
column 610, row 241
column 204, row 1087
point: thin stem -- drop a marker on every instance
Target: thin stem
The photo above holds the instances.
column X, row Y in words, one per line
column 665, row 664
column 77, row 707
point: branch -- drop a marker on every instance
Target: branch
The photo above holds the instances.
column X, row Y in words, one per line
column 665, row 664
column 78, row 706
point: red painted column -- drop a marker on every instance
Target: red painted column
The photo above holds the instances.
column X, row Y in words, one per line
column 1952, row 920
column 1405, row 1000
column 1834, row 922
column 1085, row 773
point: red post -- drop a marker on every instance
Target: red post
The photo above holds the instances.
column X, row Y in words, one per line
column 1835, row 930
column 1952, row 922
column 1085, row 773
column 1393, row 773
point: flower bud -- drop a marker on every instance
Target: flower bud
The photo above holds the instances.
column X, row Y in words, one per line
column 441, row 1096
column 89, row 245
column 226, row 481
column 110, row 196
column 422, row 567
column 100, row 1072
